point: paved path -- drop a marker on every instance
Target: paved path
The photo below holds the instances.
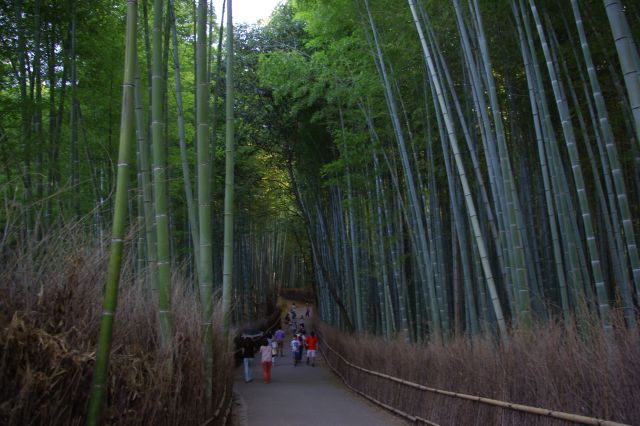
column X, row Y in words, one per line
column 304, row 396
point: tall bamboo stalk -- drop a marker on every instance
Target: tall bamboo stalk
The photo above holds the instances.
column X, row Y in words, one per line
column 191, row 210
column 227, row 268
column 159, row 178
column 145, row 180
column 98, row 386
column 73, row 123
column 204, row 191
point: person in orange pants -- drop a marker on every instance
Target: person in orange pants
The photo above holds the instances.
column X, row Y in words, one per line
column 267, row 360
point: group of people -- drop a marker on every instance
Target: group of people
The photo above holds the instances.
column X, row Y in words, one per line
column 300, row 342
column 273, row 346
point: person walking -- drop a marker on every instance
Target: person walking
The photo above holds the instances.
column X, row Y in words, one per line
column 295, row 350
column 266, row 359
column 312, row 344
column 248, row 351
column 300, row 347
column 306, row 314
column 271, row 341
column 280, row 341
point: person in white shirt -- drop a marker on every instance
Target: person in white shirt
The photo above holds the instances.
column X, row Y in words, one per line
column 267, row 360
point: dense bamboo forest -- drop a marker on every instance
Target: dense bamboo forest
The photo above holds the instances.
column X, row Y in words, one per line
column 431, row 171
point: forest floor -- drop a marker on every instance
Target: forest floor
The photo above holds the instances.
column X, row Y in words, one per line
column 302, row 395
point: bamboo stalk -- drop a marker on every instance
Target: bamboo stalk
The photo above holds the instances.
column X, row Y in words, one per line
column 204, row 251
column 99, row 383
column 227, row 273
column 159, row 179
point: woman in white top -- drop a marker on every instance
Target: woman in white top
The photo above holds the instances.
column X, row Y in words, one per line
column 266, row 358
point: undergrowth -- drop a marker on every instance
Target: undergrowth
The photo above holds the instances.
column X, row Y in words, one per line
column 575, row 370
column 50, row 305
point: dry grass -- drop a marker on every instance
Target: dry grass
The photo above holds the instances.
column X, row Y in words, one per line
column 580, row 372
column 50, row 302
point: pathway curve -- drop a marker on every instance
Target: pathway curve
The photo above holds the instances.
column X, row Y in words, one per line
column 302, row 395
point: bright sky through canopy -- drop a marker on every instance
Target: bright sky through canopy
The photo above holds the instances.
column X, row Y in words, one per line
column 248, row 11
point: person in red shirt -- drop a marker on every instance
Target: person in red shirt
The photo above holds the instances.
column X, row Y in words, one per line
column 312, row 343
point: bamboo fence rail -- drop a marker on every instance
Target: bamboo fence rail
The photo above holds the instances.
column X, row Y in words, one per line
column 559, row 415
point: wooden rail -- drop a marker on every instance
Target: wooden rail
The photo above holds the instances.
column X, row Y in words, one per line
column 370, row 398
column 575, row 418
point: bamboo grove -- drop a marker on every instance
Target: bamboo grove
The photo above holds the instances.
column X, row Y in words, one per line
column 431, row 168
column 478, row 161
column 157, row 189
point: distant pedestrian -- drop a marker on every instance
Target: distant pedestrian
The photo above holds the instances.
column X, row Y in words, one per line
column 301, row 329
column 312, row 344
column 306, row 314
column 267, row 360
column 296, row 350
column 280, row 341
column 248, row 352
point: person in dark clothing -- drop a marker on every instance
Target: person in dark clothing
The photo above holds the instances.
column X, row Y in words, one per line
column 248, row 351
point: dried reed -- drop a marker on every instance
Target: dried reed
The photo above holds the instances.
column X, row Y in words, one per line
column 577, row 370
column 50, row 300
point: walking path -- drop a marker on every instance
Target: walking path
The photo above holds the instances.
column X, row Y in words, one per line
column 302, row 395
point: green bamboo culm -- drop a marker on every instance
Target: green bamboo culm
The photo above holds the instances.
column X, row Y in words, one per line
column 204, row 191
column 98, row 386
column 227, row 267
column 627, row 56
column 191, row 210
column 159, row 179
